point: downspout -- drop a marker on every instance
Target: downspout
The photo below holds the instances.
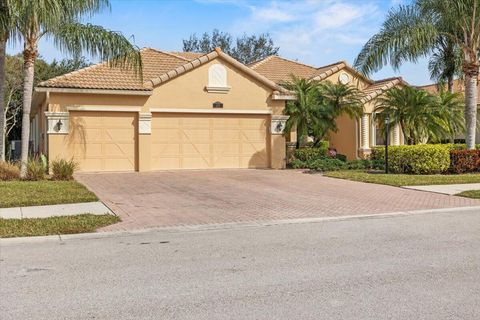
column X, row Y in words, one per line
column 45, row 124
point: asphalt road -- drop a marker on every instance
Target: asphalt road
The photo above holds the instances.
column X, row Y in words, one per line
column 409, row 267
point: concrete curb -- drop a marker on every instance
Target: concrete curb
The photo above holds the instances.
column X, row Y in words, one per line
column 69, row 209
column 223, row 226
column 448, row 189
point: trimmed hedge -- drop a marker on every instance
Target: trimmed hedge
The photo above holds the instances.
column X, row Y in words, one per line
column 325, row 164
column 312, row 153
column 416, row 159
column 464, row 161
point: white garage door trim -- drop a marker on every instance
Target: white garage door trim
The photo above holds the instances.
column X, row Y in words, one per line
column 215, row 111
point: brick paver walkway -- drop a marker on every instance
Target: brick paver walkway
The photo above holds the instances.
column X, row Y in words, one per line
column 178, row 198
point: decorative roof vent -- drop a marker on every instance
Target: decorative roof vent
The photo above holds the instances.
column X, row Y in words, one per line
column 217, row 79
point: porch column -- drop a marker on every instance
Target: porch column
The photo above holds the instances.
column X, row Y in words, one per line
column 144, row 141
column 396, row 135
column 364, row 151
column 278, row 146
column 365, row 132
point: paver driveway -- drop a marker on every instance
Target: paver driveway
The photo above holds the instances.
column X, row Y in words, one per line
column 176, row 198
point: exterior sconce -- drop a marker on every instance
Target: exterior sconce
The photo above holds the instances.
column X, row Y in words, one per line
column 59, row 125
column 217, row 104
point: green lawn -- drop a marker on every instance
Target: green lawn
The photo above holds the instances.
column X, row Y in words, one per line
column 404, row 179
column 470, row 194
column 37, row 193
column 55, row 225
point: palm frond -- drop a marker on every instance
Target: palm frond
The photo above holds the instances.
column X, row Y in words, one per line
column 406, row 35
column 99, row 43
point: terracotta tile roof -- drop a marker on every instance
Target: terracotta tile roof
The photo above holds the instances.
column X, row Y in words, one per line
column 188, row 55
column 280, row 69
column 458, row 86
column 380, row 86
column 102, row 76
column 185, row 67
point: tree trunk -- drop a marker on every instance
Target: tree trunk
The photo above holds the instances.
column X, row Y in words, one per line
column 450, row 84
column 470, row 109
column 3, row 45
column 28, row 72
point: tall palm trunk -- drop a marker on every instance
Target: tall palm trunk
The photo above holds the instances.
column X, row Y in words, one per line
column 29, row 56
column 3, row 45
column 450, row 84
column 470, row 108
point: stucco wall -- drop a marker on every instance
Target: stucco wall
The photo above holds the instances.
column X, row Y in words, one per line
column 187, row 91
column 345, row 140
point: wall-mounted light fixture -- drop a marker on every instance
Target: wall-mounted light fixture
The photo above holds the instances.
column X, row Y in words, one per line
column 59, row 125
column 217, row 104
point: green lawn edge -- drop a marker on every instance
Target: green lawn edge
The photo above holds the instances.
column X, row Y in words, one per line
column 474, row 194
column 399, row 180
column 30, row 227
column 44, row 192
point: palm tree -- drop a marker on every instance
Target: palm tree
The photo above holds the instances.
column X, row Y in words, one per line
column 448, row 108
column 317, row 107
column 302, row 109
column 59, row 20
column 341, row 99
column 413, row 31
column 445, row 63
column 5, row 29
column 418, row 113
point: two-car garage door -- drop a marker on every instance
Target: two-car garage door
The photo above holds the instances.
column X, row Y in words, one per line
column 201, row 141
column 108, row 141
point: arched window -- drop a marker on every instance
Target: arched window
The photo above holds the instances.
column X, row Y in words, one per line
column 217, row 79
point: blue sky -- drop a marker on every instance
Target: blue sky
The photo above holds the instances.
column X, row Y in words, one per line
column 316, row 32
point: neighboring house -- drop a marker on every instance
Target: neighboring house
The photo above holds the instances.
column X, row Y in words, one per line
column 355, row 137
column 458, row 86
column 188, row 111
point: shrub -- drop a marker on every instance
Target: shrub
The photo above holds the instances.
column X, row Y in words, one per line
column 326, row 164
column 36, row 169
column 378, row 164
column 298, row 164
column 308, row 154
column 377, row 153
column 63, row 169
column 420, row 159
column 341, row 157
column 463, row 161
column 360, row 164
column 416, row 159
column 9, row 171
column 460, row 146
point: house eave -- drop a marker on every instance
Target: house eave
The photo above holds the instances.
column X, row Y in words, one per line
column 95, row 91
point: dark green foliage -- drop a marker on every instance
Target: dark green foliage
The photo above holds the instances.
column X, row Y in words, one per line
column 360, row 164
column 308, row 154
column 341, row 157
column 416, row 159
column 246, row 49
column 318, row 105
column 324, row 164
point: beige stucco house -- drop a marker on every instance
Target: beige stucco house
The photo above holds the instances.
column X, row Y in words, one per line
column 187, row 111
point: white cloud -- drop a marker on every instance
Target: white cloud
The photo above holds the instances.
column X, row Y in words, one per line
column 314, row 31
column 271, row 14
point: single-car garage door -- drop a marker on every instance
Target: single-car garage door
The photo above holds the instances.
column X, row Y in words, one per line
column 202, row 141
column 103, row 141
